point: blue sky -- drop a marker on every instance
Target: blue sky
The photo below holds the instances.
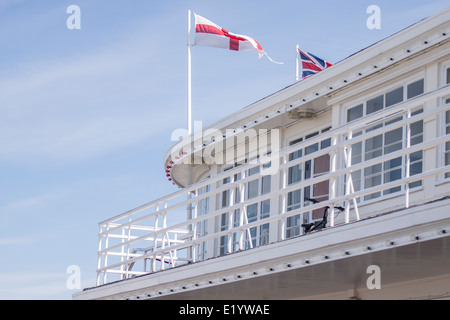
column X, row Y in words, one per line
column 87, row 115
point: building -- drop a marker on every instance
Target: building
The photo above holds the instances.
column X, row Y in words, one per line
column 336, row 187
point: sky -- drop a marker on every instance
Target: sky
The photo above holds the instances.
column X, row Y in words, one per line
column 87, row 114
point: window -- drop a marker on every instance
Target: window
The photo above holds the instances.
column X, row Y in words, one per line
column 447, row 127
column 386, row 143
column 447, row 144
column 256, row 236
column 202, row 226
column 306, row 170
column 226, row 219
column 386, row 100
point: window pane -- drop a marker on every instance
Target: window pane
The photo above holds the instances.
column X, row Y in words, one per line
column 325, row 143
column 375, row 104
column 308, row 169
column 393, row 140
column 264, row 234
column 294, row 174
column 393, row 172
column 253, row 171
column 293, row 200
column 252, row 212
column 265, row 184
column 373, row 147
column 265, row 208
column 394, row 97
column 415, row 88
column 355, row 113
column 448, row 75
column 311, row 148
column 372, row 178
column 416, row 132
column 356, row 180
column 356, row 153
column 252, row 189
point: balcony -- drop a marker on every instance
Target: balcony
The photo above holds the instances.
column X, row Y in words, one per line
column 157, row 236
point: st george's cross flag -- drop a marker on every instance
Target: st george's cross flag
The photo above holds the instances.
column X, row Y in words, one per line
column 209, row 34
column 311, row 64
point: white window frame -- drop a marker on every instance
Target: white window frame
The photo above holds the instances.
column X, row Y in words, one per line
column 306, row 217
column 363, row 100
column 443, row 125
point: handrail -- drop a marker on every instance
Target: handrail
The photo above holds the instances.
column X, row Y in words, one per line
column 165, row 240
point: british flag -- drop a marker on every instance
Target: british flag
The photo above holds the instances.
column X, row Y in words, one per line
column 311, row 64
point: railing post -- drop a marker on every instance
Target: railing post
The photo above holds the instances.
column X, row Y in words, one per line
column 284, row 173
column 408, row 156
column 243, row 210
column 99, row 257
column 333, row 164
column 155, row 238
column 194, row 229
column 230, row 215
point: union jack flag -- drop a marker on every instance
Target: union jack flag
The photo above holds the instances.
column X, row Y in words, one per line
column 311, row 64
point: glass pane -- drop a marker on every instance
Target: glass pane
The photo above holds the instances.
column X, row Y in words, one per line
column 295, row 155
column 356, row 180
column 375, row 104
column 293, row 226
column 325, row 143
column 264, row 234
column 416, row 132
column 372, row 178
column 293, row 200
column 265, row 208
column 308, row 169
column 252, row 189
column 225, row 198
column 415, row 168
column 448, row 75
column 373, row 147
column 294, row 174
column 252, row 212
column 394, row 97
column 312, row 148
column 415, row 88
column 356, row 153
column 355, row 113
column 393, row 140
column 265, row 184
column 253, row 171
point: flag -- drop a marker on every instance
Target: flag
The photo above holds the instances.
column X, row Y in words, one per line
column 311, row 64
column 209, row 34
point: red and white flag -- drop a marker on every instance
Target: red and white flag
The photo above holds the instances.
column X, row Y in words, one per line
column 209, row 34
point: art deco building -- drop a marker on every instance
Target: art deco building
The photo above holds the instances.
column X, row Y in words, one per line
column 335, row 187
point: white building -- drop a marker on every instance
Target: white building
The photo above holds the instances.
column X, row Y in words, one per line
column 368, row 137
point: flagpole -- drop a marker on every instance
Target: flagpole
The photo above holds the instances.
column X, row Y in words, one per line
column 191, row 253
column 296, row 63
column 189, row 106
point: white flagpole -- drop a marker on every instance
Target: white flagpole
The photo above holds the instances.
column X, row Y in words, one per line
column 191, row 253
column 189, row 107
column 296, row 63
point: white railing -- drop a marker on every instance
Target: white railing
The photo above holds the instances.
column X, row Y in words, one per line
column 157, row 235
